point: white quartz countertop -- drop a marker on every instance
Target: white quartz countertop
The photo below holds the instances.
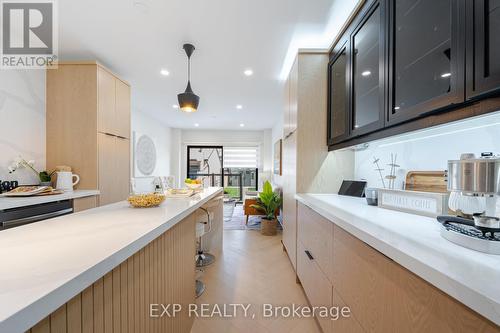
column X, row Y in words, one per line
column 415, row 242
column 15, row 202
column 45, row 264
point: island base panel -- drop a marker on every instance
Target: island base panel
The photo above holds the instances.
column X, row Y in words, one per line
column 163, row 272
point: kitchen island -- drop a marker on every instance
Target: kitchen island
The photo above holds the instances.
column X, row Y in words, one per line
column 394, row 269
column 99, row 270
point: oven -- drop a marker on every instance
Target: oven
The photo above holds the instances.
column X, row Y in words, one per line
column 15, row 217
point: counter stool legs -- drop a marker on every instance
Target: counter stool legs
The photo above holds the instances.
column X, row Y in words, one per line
column 200, row 288
column 204, row 259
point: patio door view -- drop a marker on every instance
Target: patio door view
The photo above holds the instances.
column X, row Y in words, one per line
column 234, row 168
column 205, row 163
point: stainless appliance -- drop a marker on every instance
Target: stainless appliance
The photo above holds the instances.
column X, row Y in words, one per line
column 15, row 217
column 470, row 179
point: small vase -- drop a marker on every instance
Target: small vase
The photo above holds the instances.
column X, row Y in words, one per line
column 268, row 227
column 45, row 183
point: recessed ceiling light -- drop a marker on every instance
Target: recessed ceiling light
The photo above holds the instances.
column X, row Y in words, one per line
column 248, row 72
column 366, row 73
column 164, row 72
column 196, row 125
column 444, row 75
column 175, row 106
column 242, row 125
column 239, row 106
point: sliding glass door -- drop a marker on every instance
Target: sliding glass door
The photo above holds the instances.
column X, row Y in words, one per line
column 205, row 163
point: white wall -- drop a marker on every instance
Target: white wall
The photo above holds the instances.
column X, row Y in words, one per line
column 430, row 149
column 143, row 123
column 22, row 111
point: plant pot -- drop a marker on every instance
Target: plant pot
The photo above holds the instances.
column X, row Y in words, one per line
column 45, row 183
column 268, row 227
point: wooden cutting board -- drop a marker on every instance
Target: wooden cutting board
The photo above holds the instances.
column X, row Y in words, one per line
column 427, row 181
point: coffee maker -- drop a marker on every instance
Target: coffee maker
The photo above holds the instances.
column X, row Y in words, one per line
column 474, row 185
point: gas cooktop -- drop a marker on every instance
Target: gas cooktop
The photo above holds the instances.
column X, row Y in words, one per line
column 470, row 237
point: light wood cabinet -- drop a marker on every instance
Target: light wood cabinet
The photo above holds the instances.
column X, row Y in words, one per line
column 88, row 127
column 81, row 204
column 289, row 202
column 348, row 324
column 382, row 295
column 316, row 286
column 106, row 87
column 385, row 297
column 290, row 101
column 316, row 234
column 114, row 165
column 122, row 116
column 307, row 165
column 294, row 86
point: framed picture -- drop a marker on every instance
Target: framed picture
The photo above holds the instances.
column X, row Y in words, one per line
column 277, row 158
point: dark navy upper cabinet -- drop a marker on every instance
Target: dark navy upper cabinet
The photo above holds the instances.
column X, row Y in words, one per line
column 338, row 94
column 368, row 72
column 426, row 57
column 483, row 47
column 404, row 65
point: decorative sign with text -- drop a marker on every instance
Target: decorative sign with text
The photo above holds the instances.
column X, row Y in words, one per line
column 420, row 203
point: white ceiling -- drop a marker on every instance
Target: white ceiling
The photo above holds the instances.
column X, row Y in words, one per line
column 138, row 38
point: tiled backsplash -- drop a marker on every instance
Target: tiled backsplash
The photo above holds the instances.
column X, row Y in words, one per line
column 429, row 149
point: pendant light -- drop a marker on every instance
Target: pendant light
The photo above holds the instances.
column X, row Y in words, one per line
column 188, row 100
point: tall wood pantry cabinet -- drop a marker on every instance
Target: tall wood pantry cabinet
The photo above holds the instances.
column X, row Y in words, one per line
column 88, row 127
column 307, row 165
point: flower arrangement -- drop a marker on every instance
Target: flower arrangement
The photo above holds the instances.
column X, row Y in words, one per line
column 20, row 163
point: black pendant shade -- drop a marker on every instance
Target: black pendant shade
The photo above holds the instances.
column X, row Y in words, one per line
column 188, row 100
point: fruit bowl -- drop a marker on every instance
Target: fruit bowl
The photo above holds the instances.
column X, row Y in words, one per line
column 146, row 200
column 192, row 186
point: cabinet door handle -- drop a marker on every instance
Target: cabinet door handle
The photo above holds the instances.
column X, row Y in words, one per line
column 309, row 255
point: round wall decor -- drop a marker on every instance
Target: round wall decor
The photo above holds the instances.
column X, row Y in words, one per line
column 145, row 152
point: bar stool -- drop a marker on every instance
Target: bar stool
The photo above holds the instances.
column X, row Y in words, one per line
column 203, row 259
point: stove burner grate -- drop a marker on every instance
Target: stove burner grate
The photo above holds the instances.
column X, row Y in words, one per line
column 470, row 231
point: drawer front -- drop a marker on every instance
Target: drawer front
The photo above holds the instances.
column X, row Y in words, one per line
column 317, row 287
column 316, row 233
column 348, row 324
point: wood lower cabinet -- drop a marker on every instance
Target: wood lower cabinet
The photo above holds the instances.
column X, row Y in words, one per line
column 385, row 297
column 81, row 204
column 337, row 269
column 114, row 168
column 348, row 324
column 317, row 287
column 316, row 234
column 88, row 127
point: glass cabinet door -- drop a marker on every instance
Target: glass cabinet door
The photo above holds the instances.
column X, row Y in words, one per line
column 367, row 74
column 424, row 57
column 338, row 107
column 483, row 67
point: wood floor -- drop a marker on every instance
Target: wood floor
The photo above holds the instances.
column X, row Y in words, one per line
column 252, row 270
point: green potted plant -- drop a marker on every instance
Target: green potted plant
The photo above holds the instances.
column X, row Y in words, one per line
column 268, row 203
